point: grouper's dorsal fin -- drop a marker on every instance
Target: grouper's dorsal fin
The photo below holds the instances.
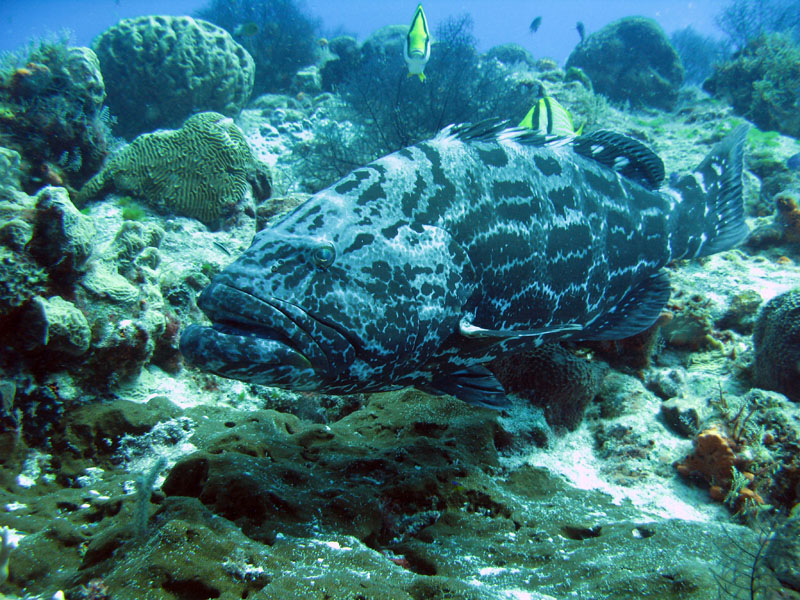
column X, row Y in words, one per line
column 486, row 130
column 494, row 129
column 627, row 156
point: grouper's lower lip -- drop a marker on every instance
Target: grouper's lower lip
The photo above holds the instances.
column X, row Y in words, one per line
column 246, row 357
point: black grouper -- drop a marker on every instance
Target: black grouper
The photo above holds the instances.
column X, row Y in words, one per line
column 429, row 262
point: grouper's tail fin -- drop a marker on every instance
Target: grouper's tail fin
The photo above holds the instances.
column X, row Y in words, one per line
column 710, row 217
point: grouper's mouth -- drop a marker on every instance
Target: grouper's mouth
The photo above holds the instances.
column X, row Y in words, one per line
column 264, row 340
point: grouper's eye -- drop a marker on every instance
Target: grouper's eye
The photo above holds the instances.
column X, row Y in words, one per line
column 324, row 255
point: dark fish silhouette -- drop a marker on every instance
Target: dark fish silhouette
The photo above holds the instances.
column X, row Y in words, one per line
column 535, row 24
column 581, row 30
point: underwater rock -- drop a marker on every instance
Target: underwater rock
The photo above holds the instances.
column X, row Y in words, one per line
column 272, row 473
column 667, row 383
column 123, row 348
column 103, row 281
column 741, row 312
column 782, row 554
column 631, row 60
column 692, row 327
column 511, row 54
column 54, row 114
column 346, row 56
column 10, row 173
column 776, row 340
column 56, row 325
column 386, row 41
column 760, row 82
column 91, row 435
column 201, row 170
column 553, row 378
column 63, row 238
column 307, row 81
column 159, row 70
column 20, row 280
column 680, row 415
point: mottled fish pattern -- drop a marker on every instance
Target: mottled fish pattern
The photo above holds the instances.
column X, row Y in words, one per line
column 429, row 262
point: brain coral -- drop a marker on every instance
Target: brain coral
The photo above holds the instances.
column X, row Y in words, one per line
column 201, row 170
column 776, row 338
column 159, row 70
column 631, row 60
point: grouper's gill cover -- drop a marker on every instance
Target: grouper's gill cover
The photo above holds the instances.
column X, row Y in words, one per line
column 423, row 265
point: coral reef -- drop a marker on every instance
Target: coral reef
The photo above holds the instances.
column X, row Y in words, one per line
column 173, row 67
column 278, row 34
column 52, row 113
column 201, row 170
column 776, row 339
column 761, row 82
column 631, row 60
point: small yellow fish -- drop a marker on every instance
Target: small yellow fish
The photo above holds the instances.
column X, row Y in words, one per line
column 549, row 117
column 417, row 49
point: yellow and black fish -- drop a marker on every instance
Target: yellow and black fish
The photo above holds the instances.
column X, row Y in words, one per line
column 417, row 49
column 549, row 117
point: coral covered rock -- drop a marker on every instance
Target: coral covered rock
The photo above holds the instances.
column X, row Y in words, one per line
column 776, row 338
column 20, row 280
column 159, row 70
column 761, row 83
column 631, row 60
column 53, row 114
column 201, row 170
column 56, row 325
column 63, row 238
column 553, row 378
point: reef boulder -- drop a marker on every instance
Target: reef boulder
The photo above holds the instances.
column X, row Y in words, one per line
column 761, row 82
column 51, row 112
column 776, row 339
column 159, row 70
column 631, row 60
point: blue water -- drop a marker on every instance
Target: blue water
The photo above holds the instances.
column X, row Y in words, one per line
column 496, row 22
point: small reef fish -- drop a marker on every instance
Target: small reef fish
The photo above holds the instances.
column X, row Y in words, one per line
column 547, row 116
column 248, row 29
column 422, row 266
column 581, row 30
column 417, row 49
column 534, row 26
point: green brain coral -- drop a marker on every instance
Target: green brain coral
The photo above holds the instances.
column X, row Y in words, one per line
column 201, row 170
column 159, row 70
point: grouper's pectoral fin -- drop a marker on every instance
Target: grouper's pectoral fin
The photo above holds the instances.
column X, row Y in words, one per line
column 549, row 334
column 474, row 384
column 635, row 312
